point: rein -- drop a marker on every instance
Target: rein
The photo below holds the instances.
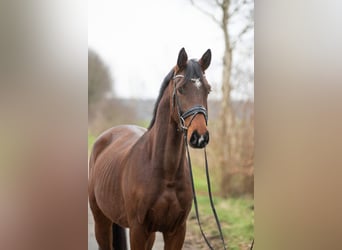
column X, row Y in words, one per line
column 210, row 196
column 182, row 116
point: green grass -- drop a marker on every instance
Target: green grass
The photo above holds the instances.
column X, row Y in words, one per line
column 236, row 218
column 201, row 181
column 236, row 214
column 91, row 140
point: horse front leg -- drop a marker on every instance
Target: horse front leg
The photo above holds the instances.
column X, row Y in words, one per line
column 103, row 227
column 175, row 240
column 140, row 239
column 150, row 241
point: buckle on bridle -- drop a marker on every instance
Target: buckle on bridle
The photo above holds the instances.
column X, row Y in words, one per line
column 182, row 124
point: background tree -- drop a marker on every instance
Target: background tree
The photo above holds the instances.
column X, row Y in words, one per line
column 100, row 81
column 104, row 108
column 235, row 157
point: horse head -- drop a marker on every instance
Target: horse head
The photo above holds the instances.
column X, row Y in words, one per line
column 189, row 97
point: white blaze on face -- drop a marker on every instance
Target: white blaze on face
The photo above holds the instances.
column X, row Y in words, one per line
column 197, row 82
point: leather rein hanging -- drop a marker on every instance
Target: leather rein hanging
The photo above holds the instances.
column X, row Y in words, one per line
column 182, row 116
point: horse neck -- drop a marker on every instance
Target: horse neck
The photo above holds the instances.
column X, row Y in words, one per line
column 168, row 150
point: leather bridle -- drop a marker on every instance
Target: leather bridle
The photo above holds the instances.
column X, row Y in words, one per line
column 193, row 111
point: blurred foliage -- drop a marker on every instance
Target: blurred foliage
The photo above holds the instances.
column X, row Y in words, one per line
column 99, row 80
column 104, row 110
column 109, row 113
column 91, row 140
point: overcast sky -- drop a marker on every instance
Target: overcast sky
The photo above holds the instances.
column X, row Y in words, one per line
column 139, row 41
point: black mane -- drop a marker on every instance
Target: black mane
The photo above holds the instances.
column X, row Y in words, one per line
column 165, row 83
column 192, row 70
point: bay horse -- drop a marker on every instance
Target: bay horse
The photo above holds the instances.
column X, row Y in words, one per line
column 139, row 178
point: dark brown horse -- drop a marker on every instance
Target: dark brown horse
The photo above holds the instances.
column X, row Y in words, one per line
column 139, row 179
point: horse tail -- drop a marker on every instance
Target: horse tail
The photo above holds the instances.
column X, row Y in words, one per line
column 119, row 237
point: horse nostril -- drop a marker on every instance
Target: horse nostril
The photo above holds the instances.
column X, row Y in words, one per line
column 194, row 138
column 199, row 141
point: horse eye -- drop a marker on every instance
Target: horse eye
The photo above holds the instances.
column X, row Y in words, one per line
column 181, row 90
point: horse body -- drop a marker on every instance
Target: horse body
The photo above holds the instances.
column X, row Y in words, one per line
column 153, row 194
column 140, row 179
column 116, row 143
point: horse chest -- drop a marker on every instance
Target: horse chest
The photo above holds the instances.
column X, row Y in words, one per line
column 167, row 212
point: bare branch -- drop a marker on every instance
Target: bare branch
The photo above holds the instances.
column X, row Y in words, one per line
column 206, row 12
column 248, row 27
column 237, row 8
column 218, row 3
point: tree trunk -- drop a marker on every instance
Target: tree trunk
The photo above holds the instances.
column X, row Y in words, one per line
column 227, row 116
column 234, row 136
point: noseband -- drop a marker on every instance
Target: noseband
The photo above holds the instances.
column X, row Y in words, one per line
column 193, row 111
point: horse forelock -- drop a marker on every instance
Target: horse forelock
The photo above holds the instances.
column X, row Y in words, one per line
column 193, row 70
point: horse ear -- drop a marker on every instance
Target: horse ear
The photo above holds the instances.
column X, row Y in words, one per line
column 205, row 60
column 182, row 59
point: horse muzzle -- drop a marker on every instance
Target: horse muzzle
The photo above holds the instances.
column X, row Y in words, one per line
column 194, row 121
column 198, row 140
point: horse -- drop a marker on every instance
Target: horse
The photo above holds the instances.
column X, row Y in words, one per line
column 139, row 178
